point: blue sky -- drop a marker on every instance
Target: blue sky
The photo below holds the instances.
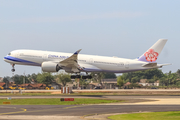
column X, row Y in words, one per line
column 99, row 27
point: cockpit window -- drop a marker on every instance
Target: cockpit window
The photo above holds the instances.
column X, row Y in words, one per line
column 9, row 54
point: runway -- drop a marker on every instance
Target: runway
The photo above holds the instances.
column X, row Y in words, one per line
column 77, row 112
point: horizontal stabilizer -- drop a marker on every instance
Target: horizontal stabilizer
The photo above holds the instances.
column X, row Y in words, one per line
column 160, row 65
column 155, row 65
column 150, row 65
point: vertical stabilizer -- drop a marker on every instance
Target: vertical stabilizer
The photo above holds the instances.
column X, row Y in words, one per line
column 152, row 53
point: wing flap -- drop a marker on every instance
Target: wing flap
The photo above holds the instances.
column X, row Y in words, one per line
column 71, row 62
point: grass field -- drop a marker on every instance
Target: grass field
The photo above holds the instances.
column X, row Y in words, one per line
column 175, row 115
column 30, row 94
column 56, row 101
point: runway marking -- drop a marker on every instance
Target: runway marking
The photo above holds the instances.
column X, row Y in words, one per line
column 43, row 110
column 24, row 110
column 75, row 106
column 53, row 109
column 7, row 107
column 70, row 107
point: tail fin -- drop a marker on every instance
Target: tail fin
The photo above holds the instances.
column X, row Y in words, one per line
column 152, row 53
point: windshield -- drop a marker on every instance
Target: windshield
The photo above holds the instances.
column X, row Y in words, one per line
column 9, row 54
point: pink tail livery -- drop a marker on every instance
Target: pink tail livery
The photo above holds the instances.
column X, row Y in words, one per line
column 152, row 53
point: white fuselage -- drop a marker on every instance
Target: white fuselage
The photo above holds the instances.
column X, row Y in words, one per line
column 89, row 63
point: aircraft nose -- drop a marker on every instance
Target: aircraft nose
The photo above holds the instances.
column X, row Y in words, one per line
column 5, row 58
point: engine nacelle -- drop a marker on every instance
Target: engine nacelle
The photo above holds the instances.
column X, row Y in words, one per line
column 50, row 67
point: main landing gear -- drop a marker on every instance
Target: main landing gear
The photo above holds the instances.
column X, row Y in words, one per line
column 79, row 76
column 13, row 69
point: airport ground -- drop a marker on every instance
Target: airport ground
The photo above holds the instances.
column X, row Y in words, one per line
column 96, row 92
column 100, row 111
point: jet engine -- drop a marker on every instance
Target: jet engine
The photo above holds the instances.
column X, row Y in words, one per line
column 50, row 67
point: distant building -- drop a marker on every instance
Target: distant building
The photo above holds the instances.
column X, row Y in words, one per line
column 38, row 86
column 126, row 86
column 33, row 82
column 93, row 85
column 2, row 84
column 144, row 82
column 128, row 83
column 156, row 83
column 106, row 84
column 109, row 83
column 55, row 85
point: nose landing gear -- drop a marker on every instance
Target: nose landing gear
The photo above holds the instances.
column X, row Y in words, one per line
column 13, row 69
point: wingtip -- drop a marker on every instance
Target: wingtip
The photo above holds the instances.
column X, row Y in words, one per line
column 163, row 39
column 77, row 52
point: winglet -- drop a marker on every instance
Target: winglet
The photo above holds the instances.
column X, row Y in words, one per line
column 77, row 52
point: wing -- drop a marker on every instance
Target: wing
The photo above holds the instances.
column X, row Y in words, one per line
column 70, row 64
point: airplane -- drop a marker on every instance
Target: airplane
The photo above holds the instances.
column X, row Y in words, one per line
column 77, row 63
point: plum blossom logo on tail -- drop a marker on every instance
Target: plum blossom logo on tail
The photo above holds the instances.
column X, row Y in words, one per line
column 151, row 55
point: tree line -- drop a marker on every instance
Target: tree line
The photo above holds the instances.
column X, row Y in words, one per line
column 45, row 78
column 152, row 75
column 48, row 78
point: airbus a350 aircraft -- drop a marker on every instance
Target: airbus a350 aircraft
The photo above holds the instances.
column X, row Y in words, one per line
column 76, row 63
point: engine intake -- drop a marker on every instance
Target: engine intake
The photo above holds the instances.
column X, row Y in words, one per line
column 50, row 67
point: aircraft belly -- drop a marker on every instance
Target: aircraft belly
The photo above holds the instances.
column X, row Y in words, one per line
column 21, row 61
column 100, row 68
column 108, row 67
column 114, row 68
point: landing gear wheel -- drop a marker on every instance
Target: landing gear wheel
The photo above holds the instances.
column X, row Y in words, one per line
column 13, row 70
column 73, row 76
column 84, row 77
column 89, row 77
column 78, row 76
